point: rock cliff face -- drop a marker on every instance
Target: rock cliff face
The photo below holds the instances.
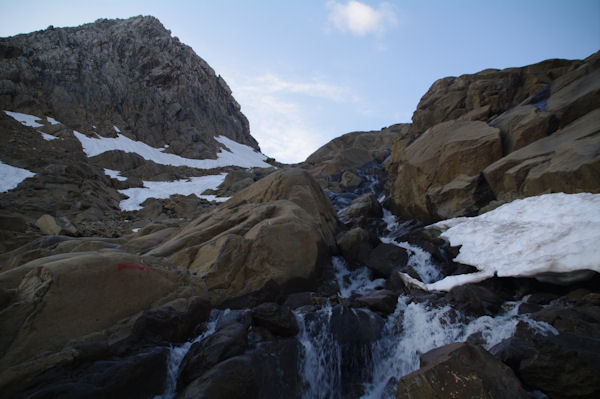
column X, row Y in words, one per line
column 129, row 73
column 128, row 81
column 531, row 130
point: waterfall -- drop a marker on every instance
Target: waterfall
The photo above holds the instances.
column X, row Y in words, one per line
column 321, row 359
column 177, row 353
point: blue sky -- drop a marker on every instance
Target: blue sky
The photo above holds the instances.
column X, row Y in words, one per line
column 307, row 71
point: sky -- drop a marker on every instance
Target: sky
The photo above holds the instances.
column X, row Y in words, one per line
column 307, row 71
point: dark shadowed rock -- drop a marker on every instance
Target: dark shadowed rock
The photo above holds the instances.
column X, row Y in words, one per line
column 138, row 376
column 229, row 341
column 232, row 379
column 562, row 366
column 460, row 370
column 385, row 258
column 475, row 300
column 277, row 319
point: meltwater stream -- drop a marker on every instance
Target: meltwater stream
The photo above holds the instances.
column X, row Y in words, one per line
column 411, row 330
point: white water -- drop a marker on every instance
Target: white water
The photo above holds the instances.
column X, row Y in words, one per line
column 416, row 328
column 356, row 281
column 177, row 353
column 321, row 359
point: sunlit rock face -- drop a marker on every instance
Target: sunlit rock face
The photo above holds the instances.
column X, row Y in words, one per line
column 540, row 123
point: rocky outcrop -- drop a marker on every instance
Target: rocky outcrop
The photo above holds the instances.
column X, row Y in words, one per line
column 257, row 236
column 566, row 161
column 486, row 94
column 438, row 174
column 129, row 73
column 499, row 135
column 332, row 164
column 460, row 370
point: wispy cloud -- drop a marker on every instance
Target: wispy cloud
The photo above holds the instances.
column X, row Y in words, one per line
column 361, row 19
column 280, row 110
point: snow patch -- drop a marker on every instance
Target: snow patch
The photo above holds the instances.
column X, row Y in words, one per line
column 116, row 129
column 11, row 176
column 25, row 119
column 52, row 121
column 115, row 174
column 237, row 155
column 556, row 233
column 48, row 137
column 164, row 189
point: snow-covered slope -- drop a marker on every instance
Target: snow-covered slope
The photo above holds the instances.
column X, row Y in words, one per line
column 238, row 154
column 551, row 233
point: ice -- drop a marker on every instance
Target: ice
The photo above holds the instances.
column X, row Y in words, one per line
column 25, row 119
column 164, row 189
column 555, row 233
column 52, row 121
column 115, row 174
column 11, row 176
column 237, row 155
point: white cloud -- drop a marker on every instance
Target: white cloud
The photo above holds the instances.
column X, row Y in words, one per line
column 279, row 112
column 360, row 19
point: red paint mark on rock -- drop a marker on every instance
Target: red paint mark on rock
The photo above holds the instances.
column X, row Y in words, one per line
column 135, row 267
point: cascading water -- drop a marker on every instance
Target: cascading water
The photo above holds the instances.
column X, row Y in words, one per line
column 320, row 365
column 411, row 330
column 177, row 353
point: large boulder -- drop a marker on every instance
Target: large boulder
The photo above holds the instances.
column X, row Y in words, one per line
column 437, row 176
column 278, row 230
column 460, row 370
column 60, row 300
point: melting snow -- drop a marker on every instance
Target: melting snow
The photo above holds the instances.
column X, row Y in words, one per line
column 48, row 137
column 52, row 121
column 164, row 189
column 25, row 119
column 239, row 154
column 11, row 177
column 115, row 174
column 554, row 233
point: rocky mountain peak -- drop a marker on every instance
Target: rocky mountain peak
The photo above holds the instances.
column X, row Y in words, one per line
column 130, row 73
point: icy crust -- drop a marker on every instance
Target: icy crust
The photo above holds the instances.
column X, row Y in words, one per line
column 550, row 233
column 164, row 189
column 238, row 155
column 11, row 176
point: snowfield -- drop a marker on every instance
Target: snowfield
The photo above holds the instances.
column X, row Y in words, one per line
column 238, row 154
column 550, row 233
column 11, row 176
column 164, row 189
